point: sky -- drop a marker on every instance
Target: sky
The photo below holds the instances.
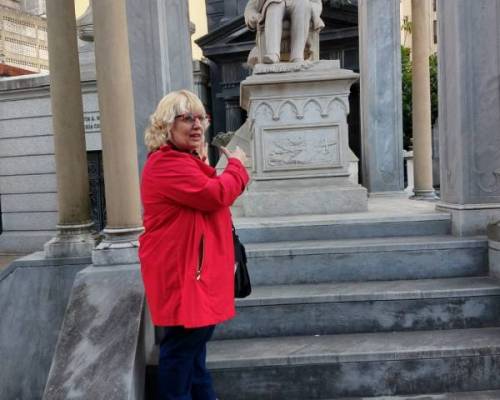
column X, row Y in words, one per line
column 197, row 15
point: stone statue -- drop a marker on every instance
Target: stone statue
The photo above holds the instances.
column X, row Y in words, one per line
column 268, row 15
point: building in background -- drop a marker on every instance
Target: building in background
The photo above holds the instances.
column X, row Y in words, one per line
column 405, row 15
column 197, row 15
column 34, row 7
column 23, row 39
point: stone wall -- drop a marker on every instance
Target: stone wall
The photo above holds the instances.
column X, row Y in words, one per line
column 28, row 194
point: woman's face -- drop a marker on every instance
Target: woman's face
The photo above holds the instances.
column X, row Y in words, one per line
column 187, row 131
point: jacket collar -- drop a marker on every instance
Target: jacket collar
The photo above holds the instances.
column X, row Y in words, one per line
column 209, row 170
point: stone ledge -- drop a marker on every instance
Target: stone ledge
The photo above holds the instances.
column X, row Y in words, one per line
column 356, row 246
column 369, row 347
column 371, row 291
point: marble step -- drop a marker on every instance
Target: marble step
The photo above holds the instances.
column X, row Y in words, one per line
column 398, row 258
column 479, row 395
column 353, row 307
column 356, row 365
column 342, row 226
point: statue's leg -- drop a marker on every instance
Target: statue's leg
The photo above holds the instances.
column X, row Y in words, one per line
column 300, row 15
column 274, row 27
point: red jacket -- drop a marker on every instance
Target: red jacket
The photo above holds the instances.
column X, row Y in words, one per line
column 186, row 251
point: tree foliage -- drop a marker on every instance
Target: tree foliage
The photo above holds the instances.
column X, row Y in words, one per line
column 406, row 77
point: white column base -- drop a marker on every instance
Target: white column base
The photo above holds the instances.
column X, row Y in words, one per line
column 119, row 247
column 470, row 219
column 424, row 195
column 71, row 241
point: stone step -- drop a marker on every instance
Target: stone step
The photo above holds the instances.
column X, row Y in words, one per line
column 478, row 395
column 341, row 226
column 354, row 307
column 356, row 365
column 399, row 258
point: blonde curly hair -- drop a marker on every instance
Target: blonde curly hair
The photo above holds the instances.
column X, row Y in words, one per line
column 160, row 122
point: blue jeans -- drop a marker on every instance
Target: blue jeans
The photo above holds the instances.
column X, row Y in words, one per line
column 182, row 373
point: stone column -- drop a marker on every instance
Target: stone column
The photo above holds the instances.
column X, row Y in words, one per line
column 160, row 56
column 116, row 104
column 421, row 99
column 74, row 237
column 381, row 107
column 469, row 117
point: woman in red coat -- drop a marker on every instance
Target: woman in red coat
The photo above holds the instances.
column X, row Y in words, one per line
column 186, row 251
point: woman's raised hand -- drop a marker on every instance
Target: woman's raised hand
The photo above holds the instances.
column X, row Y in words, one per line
column 237, row 153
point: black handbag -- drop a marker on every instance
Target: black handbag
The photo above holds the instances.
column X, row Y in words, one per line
column 242, row 286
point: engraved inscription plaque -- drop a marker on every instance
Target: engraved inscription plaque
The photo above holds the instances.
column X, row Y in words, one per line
column 92, row 121
column 300, row 148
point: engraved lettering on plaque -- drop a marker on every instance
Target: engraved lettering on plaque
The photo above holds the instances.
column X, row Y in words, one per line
column 303, row 148
column 92, row 120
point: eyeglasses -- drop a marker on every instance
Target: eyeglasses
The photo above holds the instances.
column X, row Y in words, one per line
column 191, row 117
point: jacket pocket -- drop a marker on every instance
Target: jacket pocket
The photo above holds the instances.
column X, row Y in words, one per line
column 201, row 257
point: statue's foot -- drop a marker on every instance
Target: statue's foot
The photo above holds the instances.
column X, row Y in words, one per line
column 271, row 59
column 297, row 60
column 318, row 24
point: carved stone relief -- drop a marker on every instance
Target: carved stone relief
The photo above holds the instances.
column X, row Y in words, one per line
column 296, row 108
column 304, row 148
column 263, row 112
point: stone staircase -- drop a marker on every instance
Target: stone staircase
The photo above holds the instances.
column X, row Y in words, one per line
column 384, row 303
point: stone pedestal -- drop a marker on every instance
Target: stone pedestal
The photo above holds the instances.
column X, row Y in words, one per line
column 300, row 150
column 468, row 113
column 71, row 241
column 120, row 246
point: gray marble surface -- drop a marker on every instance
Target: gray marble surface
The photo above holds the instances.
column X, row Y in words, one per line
column 32, row 304
column 284, row 263
column 353, row 348
column 161, row 60
column 354, row 307
column 370, row 291
column 380, row 94
column 468, row 116
column 478, row 395
column 99, row 354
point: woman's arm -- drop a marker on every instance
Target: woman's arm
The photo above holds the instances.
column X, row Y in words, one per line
column 182, row 180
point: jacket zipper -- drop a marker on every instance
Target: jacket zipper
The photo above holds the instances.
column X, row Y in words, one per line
column 201, row 256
